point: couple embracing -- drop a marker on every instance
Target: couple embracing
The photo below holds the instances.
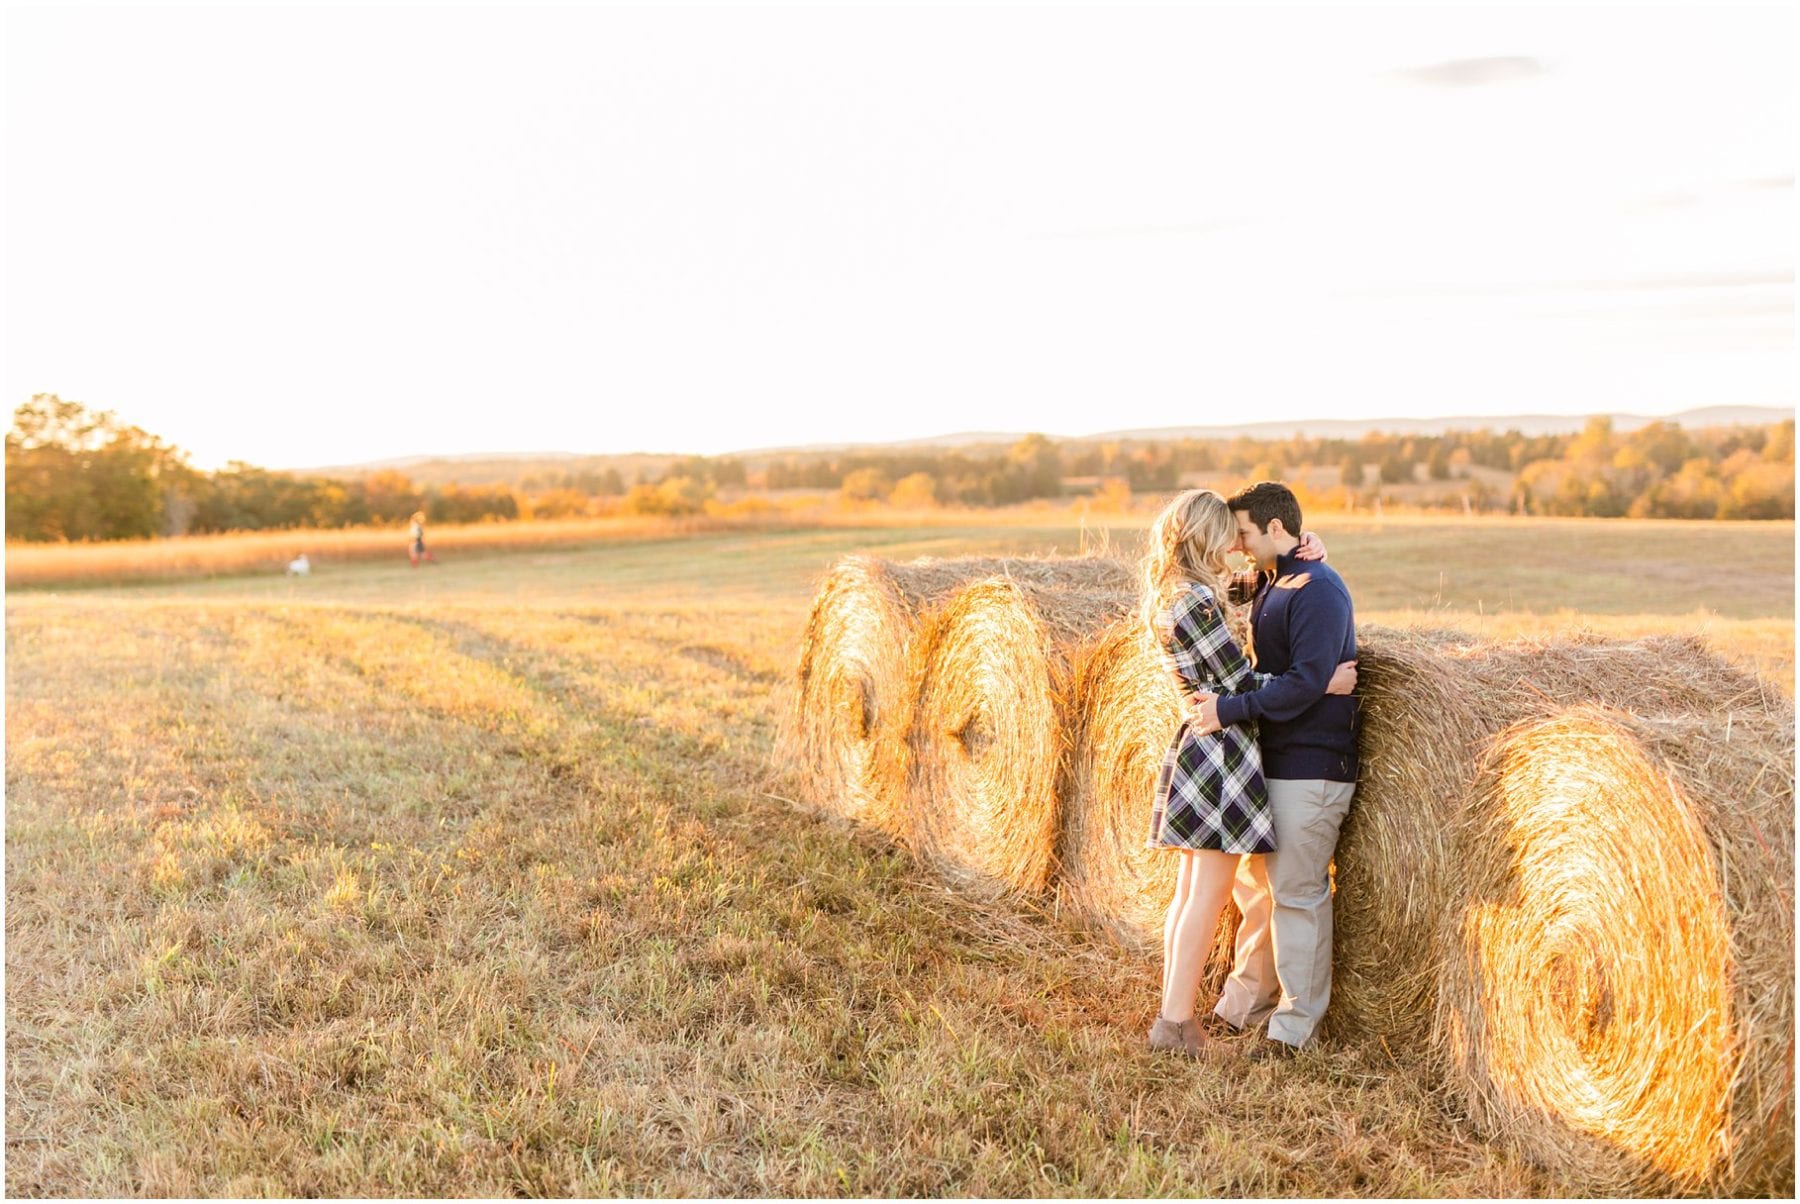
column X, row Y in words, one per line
column 1256, row 784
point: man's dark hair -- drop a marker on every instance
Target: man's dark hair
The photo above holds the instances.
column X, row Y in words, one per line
column 1267, row 501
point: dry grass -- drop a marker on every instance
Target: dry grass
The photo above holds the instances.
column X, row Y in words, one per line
column 89, row 564
column 288, row 917
column 78, row 565
column 479, row 895
column 1493, row 566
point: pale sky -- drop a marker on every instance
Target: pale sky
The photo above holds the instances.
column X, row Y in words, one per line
column 317, row 236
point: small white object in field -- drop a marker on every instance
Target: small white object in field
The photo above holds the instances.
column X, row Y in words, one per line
column 299, row 566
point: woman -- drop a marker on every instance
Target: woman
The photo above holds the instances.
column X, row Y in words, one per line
column 1211, row 803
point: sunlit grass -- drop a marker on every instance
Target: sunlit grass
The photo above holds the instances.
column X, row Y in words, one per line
column 1740, row 569
column 278, row 925
column 248, row 553
column 474, row 881
column 232, row 553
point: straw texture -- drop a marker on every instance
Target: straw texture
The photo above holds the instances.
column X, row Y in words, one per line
column 851, row 700
column 1431, row 701
column 993, row 721
column 1618, row 999
column 1565, row 888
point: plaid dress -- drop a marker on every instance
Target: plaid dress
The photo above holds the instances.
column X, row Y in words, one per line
column 1210, row 793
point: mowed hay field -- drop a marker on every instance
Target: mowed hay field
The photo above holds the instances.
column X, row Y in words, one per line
column 477, row 880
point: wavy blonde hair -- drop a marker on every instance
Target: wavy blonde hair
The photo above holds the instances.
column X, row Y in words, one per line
column 1188, row 542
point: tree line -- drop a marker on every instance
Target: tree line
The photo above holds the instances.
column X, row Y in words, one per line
column 1660, row 470
column 77, row 474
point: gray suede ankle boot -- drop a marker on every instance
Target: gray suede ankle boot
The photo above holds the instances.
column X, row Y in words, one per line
column 1179, row 1036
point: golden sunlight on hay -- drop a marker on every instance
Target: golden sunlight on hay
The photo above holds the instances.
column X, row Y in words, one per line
column 851, row 705
column 1393, row 875
column 988, row 746
column 1430, row 702
column 1620, row 998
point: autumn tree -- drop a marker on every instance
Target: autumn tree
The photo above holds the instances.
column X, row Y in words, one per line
column 914, row 491
column 390, row 496
column 243, row 497
column 866, row 485
column 1032, row 468
column 75, row 473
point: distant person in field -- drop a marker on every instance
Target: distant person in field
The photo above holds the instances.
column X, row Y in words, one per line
column 416, row 533
column 1211, row 803
column 1302, row 628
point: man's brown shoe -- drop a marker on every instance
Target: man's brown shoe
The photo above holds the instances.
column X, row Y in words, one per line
column 1179, row 1037
column 1270, row 1050
column 1215, row 1025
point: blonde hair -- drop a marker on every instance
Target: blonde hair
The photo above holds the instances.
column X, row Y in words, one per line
column 1188, row 543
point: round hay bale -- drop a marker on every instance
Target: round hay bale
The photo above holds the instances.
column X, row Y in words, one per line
column 849, row 710
column 992, row 724
column 1617, row 997
column 1392, row 874
column 1430, row 702
column 1128, row 712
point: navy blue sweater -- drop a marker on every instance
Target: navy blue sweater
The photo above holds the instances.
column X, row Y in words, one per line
column 1300, row 634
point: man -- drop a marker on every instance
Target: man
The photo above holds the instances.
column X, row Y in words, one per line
column 1302, row 626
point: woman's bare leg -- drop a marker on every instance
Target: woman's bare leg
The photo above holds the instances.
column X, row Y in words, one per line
column 1184, row 878
column 1207, row 875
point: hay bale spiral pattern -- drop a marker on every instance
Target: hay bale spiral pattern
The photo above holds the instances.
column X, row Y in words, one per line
column 992, row 724
column 852, row 697
column 1618, row 998
column 1430, row 702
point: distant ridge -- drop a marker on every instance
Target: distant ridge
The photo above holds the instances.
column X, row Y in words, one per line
column 489, row 465
column 1528, row 424
column 459, row 458
column 958, row 439
column 1330, row 428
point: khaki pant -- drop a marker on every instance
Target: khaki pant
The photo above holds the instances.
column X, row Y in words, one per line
column 1282, row 972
